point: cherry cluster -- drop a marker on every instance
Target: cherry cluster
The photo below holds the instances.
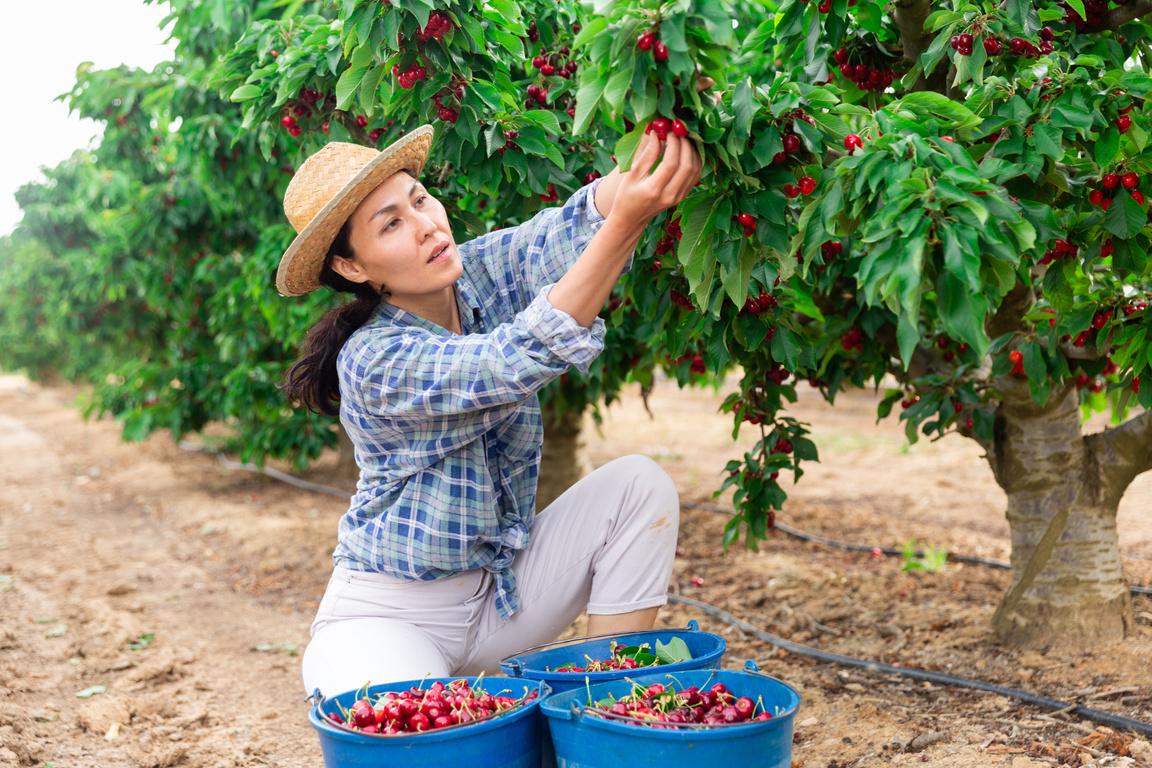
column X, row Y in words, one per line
column 549, row 64
column 550, row 195
column 664, row 707
column 790, row 140
column 747, row 222
column 1111, row 181
column 1060, row 249
column 758, row 305
column 1017, row 359
column 439, row 24
column 662, row 126
column 672, row 235
column 448, row 114
column 649, row 40
column 308, row 105
column 1095, row 10
column 697, row 365
column 854, row 339
column 680, row 300
column 944, row 343
column 416, row 710
column 804, row 186
column 509, row 142
column 866, row 78
column 409, row 77
column 783, row 444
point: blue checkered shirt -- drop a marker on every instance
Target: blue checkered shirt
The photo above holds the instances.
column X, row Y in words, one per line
column 447, row 428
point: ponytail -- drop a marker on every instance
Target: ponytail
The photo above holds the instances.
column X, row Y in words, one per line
column 313, row 380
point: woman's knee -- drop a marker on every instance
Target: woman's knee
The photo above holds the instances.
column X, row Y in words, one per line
column 651, row 477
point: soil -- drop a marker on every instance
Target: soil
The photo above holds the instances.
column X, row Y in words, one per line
column 154, row 604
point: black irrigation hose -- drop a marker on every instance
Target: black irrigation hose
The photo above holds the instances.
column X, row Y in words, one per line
column 1088, row 713
column 1055, row 705
column 987, row 562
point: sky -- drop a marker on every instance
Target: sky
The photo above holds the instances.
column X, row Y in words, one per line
column 40, row 48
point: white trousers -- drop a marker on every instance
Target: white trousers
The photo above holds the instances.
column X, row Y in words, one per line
column 606, row 546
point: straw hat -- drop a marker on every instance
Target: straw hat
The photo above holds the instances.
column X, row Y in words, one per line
column 325, row 191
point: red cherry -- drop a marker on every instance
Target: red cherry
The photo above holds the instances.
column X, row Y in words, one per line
column 1016, row 356
column 791, row 191
column 646, row 40
column 661, row 126
column 841, row 56
column 965, row 40
column 1111, row 180
column 807, row 184
column 745, row 219
column 948, row 138
column 852, row 141
column 992, row 46
column 791, row 143
column 375, row 135
column 1123, row 123
column 1046, row 33
column 287, row 121
column 1129, row 180
column 1095, row 197
column 1106, row 204
column 1017, row 45
column 361, row 121
column 538, row 61
column 1138, row 196
column 679, row 128
column 293, row 131
column 660, row 51
column 547, row 70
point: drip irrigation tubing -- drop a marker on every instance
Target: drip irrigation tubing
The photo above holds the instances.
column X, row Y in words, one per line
column 936, row 678
column 987, row 562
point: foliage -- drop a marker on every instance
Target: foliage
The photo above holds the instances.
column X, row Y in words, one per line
column 883, row 200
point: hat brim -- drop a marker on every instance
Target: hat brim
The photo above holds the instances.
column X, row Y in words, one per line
column 299, row 271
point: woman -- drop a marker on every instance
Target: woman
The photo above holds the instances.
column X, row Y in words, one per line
column 442, row 567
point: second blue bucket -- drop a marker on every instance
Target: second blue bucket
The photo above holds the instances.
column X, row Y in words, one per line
column 706, row 649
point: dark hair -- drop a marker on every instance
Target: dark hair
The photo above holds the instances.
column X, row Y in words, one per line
column 313, row 380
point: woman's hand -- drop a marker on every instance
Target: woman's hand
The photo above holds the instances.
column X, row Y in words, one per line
column 645, row 191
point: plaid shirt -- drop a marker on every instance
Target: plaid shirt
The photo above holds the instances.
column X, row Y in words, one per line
column 447, row 428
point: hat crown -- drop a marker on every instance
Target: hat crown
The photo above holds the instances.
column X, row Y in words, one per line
column 320, row 177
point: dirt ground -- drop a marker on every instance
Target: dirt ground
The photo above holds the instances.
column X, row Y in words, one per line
column 154, row 605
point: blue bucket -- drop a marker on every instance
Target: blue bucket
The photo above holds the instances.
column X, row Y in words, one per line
column 512, row 740
column 707, row 652
column 587, row 741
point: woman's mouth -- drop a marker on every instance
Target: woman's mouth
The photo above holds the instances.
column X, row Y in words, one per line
column 440, row 252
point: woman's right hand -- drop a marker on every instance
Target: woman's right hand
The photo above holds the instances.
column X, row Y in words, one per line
column 645, row 191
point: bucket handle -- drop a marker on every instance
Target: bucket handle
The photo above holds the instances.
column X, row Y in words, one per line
column 315, row 697
column 514, row 662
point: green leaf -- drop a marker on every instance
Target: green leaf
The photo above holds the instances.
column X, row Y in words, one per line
column 673, row 651
column 347, row 84
column 617, row 87
column 587, row 97
column 785, row 349
column 1107, row 146
column 1048, row 140
column 245, row 92
column 88, row 693
column 1125, row 217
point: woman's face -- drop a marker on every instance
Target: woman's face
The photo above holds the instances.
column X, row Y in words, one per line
column 402, row 243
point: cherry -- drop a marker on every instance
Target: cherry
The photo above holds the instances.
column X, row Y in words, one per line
column 992, row 46
column 1129, row 180
column 807, row 184
column 375, row 134
column 679, row 128
column 1046, row 48
column 1123, row 123
column 791, row 191
column 324, row 126
column 745, row 218
column 1082, row 380
column 538, row 62
column 851, row 142
column 1106, row 204
column 661, row 126
column 791, row 143
column 948, row 138
column 362, row 121
column 1047, row 34
column 841, row 56
column 547, row 70
column 294, row 131
column 964, row 41
column 646, row 40
column 1095, row 197
column 287, row 121
column 660, row 52
column 1138, row 196
column 1111, row 180
column 1017, row 45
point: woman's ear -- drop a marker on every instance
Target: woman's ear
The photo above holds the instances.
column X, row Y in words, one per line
column 348, row 269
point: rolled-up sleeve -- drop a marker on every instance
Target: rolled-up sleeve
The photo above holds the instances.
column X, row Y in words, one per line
column 464, row 384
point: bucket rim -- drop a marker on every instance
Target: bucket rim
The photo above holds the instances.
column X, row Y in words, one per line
column 520, row 663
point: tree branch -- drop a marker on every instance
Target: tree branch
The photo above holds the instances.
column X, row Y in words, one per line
column 359, row 135
column 1125, row 451
column 1122, row 14
column 909, row 16
column 1012, row 310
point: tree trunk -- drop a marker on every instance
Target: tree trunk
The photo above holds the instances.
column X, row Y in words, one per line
column 346, row 459
column 1068, row 588
column 564, row 459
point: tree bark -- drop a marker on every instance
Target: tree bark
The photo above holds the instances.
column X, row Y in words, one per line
column 564, row 459
column 1068, row 588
